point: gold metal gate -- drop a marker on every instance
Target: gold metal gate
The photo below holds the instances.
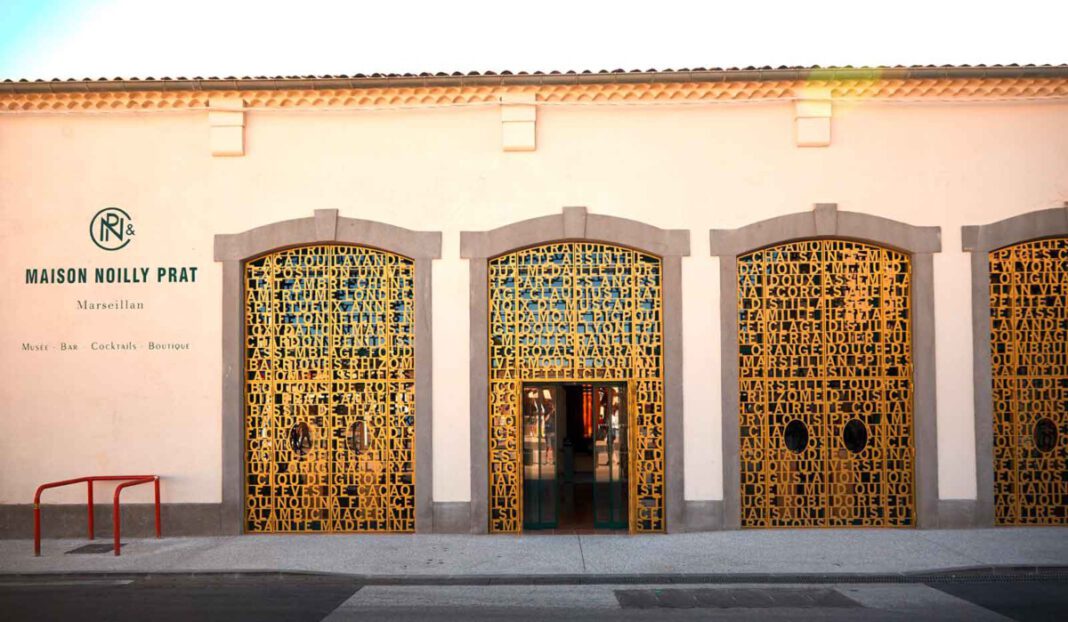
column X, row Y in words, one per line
column 825, row 386
column 330, row 390
column 1029, row 368
column 573, row 312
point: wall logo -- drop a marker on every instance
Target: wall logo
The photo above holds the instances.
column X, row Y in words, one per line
column 111, row 229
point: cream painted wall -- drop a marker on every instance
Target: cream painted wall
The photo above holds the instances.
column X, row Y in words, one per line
column 452, row 447
column 693, row 167
column 702, row 396
column 67, row 414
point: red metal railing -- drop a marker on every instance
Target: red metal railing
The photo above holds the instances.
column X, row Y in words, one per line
column 127, row 481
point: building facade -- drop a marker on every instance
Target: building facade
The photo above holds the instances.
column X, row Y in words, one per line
column 635, row 301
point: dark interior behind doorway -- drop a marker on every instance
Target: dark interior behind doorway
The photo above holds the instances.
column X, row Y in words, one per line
column 574, row 456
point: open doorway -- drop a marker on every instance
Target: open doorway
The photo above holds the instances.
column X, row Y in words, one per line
column 575, row 456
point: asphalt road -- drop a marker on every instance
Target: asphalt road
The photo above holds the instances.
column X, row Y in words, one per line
column 88, row 598
column 166, row 598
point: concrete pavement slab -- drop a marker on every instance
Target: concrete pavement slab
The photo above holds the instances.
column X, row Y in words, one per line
column 394, row 554
column 795, row 551
column 1006, row 545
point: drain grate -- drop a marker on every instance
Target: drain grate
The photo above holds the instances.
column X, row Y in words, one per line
column 89, row 549
column 734, row 598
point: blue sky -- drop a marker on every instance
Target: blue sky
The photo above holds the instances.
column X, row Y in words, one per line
column 142, row 38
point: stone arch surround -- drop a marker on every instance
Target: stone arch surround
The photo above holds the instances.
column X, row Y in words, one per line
column 576, row 224
column 825, row 221
column 979, row 240
column 232, row 250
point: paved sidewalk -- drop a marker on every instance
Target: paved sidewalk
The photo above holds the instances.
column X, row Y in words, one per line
column 766, row 552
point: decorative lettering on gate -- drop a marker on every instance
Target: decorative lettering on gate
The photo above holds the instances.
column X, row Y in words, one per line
column 330, row 390
column 1029, row 369
column 575, row 311
column 825, row 386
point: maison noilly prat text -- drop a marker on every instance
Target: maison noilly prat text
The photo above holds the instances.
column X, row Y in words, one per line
column 118, row 275
column 111, row 229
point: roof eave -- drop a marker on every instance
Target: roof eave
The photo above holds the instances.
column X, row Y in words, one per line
column 535, row 79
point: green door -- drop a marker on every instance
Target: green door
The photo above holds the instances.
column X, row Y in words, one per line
column 541, row 414
column 610, row 457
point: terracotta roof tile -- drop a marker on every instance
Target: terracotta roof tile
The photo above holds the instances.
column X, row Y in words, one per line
column 696, row 74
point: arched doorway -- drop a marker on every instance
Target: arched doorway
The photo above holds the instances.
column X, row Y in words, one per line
column 326, row 376
column 566, row 263
column 1029, row 377
column 814, row 452
column 330, row 390
column 1018, row 267
column 583, row 318
column 825, row 385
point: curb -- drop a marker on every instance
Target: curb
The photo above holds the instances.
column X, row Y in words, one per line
column 971, row 574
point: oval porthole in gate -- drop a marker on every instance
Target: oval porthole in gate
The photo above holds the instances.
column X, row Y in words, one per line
column 796, row 436
column 358, row 438
column 300, row 438
column 855, row 435
column 1045, row 435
